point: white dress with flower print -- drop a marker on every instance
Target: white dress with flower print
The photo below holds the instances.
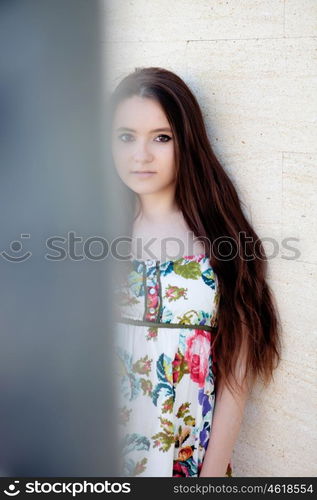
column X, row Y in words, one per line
column 166, row 365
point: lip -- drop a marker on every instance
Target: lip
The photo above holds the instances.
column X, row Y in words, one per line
column 145, row 173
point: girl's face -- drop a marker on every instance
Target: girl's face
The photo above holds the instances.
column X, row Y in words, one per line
column 143, row 145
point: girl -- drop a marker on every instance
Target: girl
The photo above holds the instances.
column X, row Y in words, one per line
column 197, row 324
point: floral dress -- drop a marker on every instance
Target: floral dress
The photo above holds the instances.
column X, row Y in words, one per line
column 166, row 367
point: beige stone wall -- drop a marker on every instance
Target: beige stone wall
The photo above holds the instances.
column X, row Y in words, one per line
column 252, row 65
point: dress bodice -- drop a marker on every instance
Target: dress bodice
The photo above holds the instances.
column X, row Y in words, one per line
column 159, row 292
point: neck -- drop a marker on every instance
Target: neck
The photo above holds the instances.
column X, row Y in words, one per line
column 156, row 207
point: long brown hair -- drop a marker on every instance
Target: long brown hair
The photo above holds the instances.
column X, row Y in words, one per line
column 248, row 321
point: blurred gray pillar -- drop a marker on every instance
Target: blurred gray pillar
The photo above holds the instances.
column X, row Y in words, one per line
column 55, row 363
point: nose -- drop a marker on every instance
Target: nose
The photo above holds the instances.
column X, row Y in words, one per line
column 142, row 153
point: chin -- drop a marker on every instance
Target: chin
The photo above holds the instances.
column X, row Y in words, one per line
column 140, row 190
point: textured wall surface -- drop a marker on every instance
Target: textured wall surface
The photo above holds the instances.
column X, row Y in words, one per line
column 252, row 66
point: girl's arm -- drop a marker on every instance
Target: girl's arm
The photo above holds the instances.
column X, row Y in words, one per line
column 227, row 418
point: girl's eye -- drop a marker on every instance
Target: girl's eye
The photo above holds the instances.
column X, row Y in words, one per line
column 121, row 137
column 167, row 138
column 128, row 138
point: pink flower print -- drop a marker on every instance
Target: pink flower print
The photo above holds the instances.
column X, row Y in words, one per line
column 147, row 366
column 174, row 293
column 197, row 356
column 176, row 367
column 152, row 300
column 142, row 366
column 180, row 469
column 185, row 453
column 195, row 258
column 152, row 333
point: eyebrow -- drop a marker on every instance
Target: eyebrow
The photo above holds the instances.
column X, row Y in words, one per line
column 163, row 129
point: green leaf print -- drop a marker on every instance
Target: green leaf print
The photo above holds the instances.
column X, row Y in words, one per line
column 182, row 410
column 186, row 318
column 167, row 425
column 163, row 440
column 167, row 406
column 146, row 386
column 189, row 420
column 191, row 270
column 183, row 434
